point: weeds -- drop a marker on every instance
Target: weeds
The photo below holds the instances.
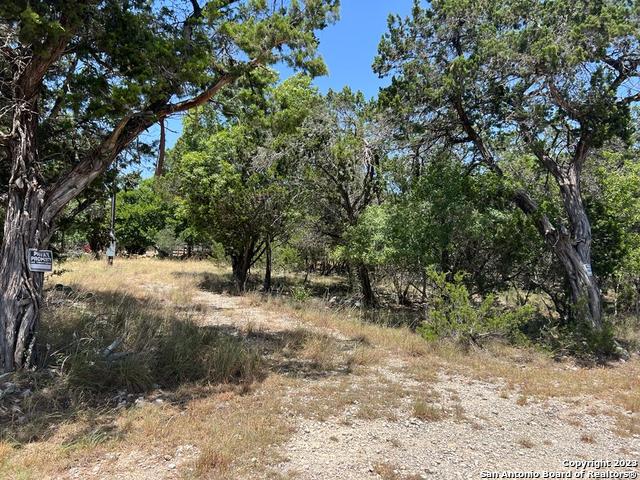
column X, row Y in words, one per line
column 154, row 348
column 427, row 411
column 526, row 443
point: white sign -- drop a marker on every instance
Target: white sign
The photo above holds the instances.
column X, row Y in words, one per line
column 111, row 249
column 40, row 260
column 587, row 267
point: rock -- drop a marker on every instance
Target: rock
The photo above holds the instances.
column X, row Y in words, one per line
column 621, row 352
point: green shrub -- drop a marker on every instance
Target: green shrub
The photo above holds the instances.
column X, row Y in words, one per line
column 300, row 293
column 579, row 339
column 90, row 371
column 453, row 313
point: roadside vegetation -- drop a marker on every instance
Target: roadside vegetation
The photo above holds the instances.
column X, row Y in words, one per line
column 301, row 257
column 175, row 377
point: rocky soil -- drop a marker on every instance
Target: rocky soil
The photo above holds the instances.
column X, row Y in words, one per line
column 469, row 429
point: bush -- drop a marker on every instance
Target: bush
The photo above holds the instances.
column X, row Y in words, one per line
column 300, row 293
column 453, row 313
column 579, row 340
column 90, row 371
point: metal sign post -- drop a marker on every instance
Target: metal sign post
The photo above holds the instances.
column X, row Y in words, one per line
column 111, row 250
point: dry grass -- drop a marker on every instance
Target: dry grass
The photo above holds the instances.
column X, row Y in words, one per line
column 322, row 351
column 627, row 425
column 526, row 442
column 575, row 422
column 527, row 371
column 65, row 421
column 387, row 471
column 588, row 438
column 534, row 374
column 347, row 322
column 234, row 432
column 427, row 412
column 236, row 429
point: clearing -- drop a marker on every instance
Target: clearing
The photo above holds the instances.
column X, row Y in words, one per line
column 338, row 398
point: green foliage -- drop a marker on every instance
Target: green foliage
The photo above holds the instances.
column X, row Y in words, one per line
column 142, row 214
column 495, row 84
column 452, row 219
column 579, row 340
column 236, row 175
column 89, row 371
column 343, row 151
column 300, row 293
column 452, row 312
column 104, row 72
column 166, row 241
column 221, row 358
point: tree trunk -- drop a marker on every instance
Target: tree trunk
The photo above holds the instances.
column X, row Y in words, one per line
column 573, row 249
column 21, row 289
column 161, row 150
column 240, row 266
column 368, row 297
column 267, row 270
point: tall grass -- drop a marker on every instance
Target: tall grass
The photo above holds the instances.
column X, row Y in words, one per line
column 152, row 346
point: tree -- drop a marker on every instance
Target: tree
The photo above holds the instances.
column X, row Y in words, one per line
column 141, row 214
column 344, row 151
column 612, row 197
column 235, row 172
column 450, row 220
column 83, row 80
column 550, row 80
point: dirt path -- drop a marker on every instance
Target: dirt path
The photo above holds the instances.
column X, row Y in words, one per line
column 476, row 427
column 380, row 421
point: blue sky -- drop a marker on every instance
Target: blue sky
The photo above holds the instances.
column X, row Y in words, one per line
column 349, row 46
column 348, row 49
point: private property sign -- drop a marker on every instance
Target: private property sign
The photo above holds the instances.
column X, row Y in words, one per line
column 40, row 260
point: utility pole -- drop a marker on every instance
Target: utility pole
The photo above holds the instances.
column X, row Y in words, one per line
column 111, row 250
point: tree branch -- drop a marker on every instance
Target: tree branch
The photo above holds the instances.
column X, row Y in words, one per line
column 562, row 102
column 96, row 162
column 475, row 138
column 59, row 102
